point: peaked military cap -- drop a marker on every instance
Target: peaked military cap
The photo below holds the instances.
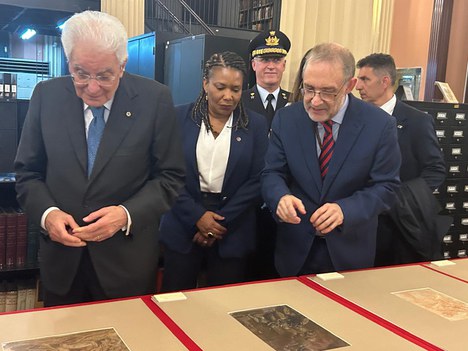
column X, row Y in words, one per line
column 269, row 43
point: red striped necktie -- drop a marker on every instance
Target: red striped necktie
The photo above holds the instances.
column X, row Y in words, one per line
column 328, row 145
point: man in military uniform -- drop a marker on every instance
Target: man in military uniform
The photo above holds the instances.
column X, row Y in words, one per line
column 268, row 52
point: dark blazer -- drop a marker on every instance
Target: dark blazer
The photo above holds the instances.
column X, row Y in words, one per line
column 251, row 100
column 416, row 215
column 240, row 191
column 362, row 178
column 420, row 151
column 421, row 160
column 139, row 165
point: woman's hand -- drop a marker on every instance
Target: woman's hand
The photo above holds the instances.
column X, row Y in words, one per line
column 209, row 226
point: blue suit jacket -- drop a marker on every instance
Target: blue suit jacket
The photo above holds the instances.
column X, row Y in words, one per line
column 240, row 191
column 362, row 178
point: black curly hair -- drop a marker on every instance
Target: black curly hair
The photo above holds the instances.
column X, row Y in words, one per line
column 226, row 59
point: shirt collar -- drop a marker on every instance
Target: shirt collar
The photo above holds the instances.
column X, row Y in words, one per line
column 389, row 106
column 338, row 118
column 107, row 105
column 264, row 93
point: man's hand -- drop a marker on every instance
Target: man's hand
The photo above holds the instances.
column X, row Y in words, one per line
column 59, row 226
column 327, row 217
column 288, row 207
column 209, row 227
column 105, row 222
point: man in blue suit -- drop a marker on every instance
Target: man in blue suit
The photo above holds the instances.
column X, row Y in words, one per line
column 327, row 202
column 421, row 155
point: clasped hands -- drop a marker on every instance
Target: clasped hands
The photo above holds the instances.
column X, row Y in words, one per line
column 104, row 223
column 209, row 229
column 326, row 218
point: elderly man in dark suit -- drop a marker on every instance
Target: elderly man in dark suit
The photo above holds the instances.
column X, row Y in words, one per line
column 100, row 159
column 331, row 167
column 420, row 152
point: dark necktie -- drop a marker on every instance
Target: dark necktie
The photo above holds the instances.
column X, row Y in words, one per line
column 328, row 145
column 270, row 111
column 95, row 131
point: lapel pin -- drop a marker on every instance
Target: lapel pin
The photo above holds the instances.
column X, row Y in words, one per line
column 252, row 96
column 128, row 114
column 399, row 126
column 238, row 139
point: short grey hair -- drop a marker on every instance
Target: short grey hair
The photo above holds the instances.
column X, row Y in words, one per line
column 98, row 28
column 333, row 53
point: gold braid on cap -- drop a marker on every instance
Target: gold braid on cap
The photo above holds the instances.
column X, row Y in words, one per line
column 266, row 51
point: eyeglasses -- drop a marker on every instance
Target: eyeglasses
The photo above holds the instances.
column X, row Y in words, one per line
column 104, row 80
column 325, row 96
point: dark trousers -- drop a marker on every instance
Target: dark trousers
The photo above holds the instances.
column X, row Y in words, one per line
column 262, row 261
column 392, row 248
column 85, row 286
column 318, row 260
column 181, row 271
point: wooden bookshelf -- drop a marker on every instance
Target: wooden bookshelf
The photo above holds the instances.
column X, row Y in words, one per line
column 258, row 14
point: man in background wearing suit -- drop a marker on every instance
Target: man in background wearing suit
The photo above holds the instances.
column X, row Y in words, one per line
column 100, row 159
column 420, row 152
column 331, row 167
column 268, row 52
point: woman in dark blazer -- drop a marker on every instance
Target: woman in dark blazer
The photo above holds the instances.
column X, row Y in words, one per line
column 213, row 220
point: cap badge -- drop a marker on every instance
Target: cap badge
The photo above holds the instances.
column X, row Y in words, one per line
column 272, row 40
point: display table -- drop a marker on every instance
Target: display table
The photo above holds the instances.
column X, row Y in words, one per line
column 413, row 307
column 459, row 270
column 423, row 302
column 205, row 317
column 137, row 326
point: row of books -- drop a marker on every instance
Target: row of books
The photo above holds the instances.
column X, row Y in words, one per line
column 249, row 4
column 263, row 14
column 19, row 240
column 17, row 295
column 8, row 85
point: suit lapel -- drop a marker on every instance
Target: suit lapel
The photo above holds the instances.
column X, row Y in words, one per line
column 283, row 97
column 306, row 134
column 400, row 117
column 191, row 132
column 347, row 135
column 74, row 114
column 256, row 103
column 121, row 119
column 237, row 146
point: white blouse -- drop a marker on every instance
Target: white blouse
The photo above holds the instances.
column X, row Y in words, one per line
column 212, row 157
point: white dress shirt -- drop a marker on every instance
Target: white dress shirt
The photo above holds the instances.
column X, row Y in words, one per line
column 389, row 106
column 212, row 157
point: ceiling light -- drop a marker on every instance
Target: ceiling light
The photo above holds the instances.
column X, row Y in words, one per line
column 28, row 33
